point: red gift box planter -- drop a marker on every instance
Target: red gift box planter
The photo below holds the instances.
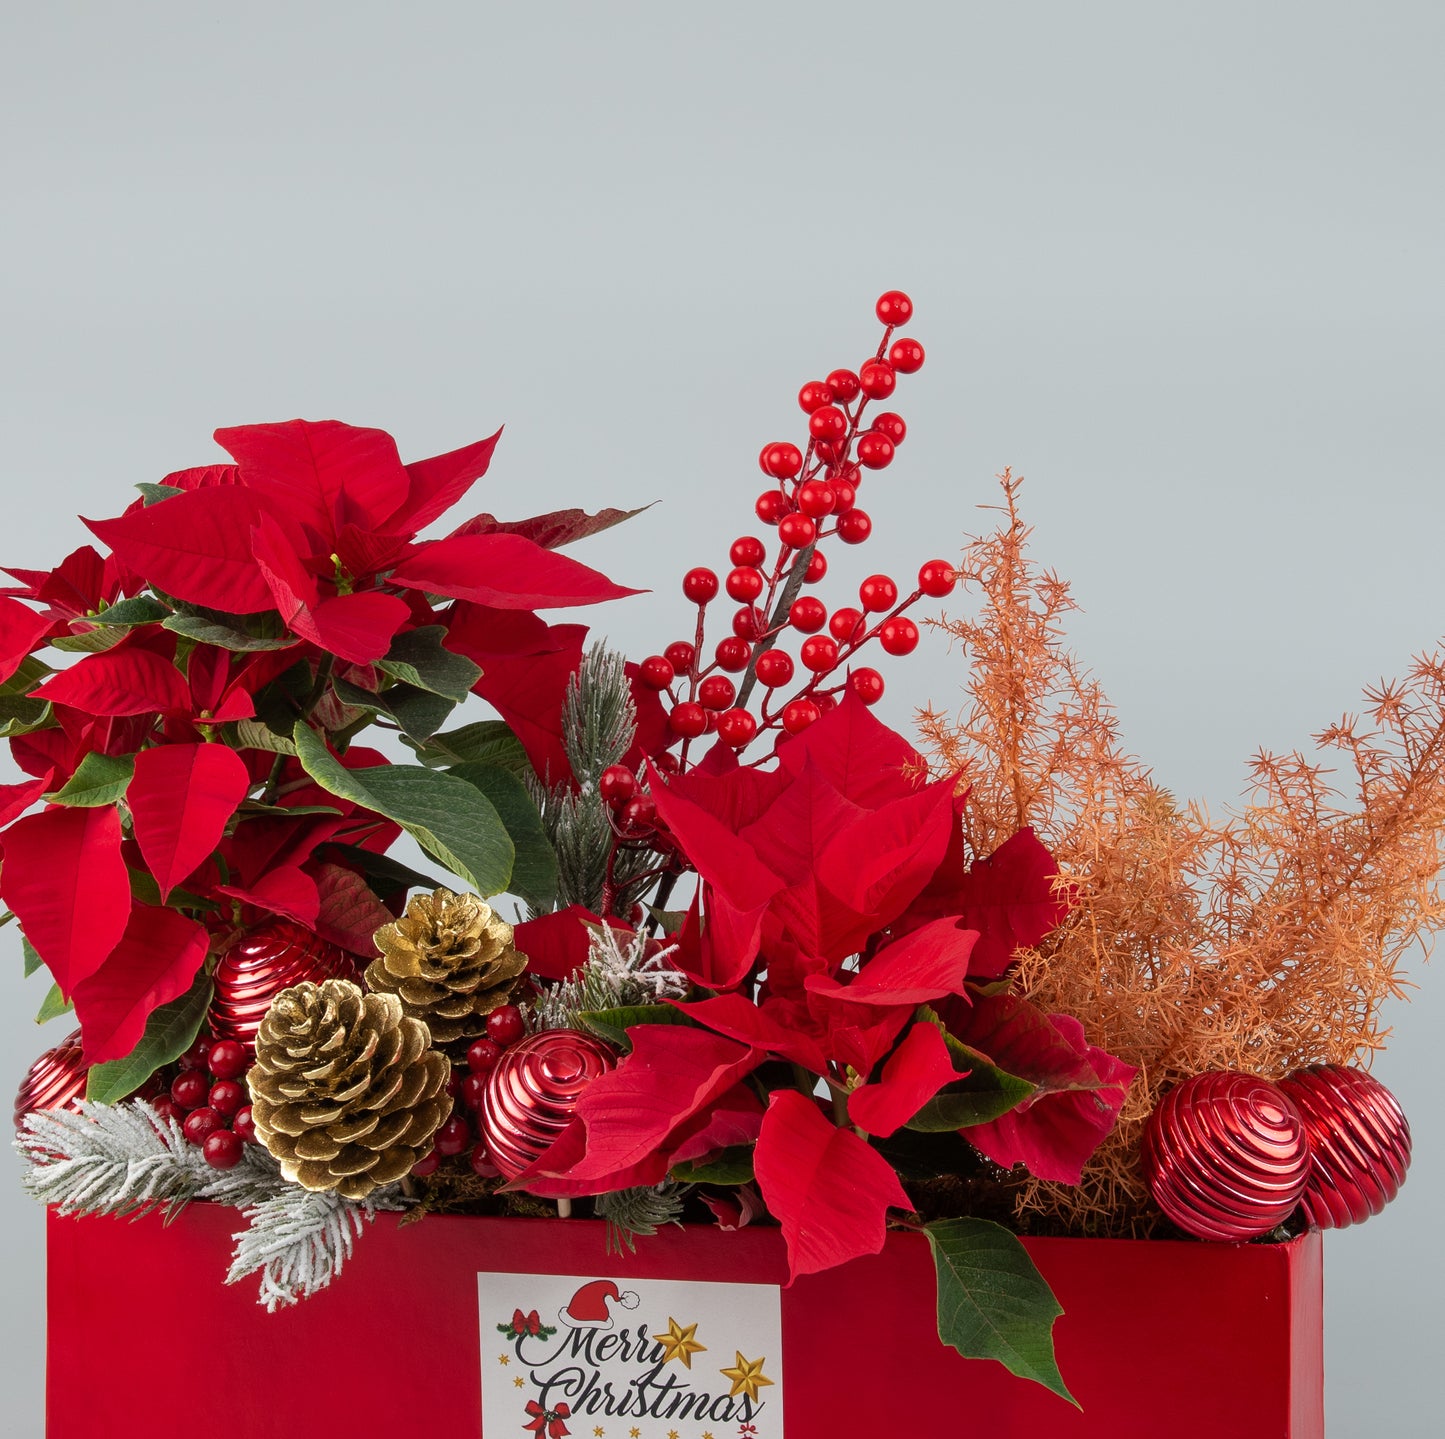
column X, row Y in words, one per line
column 1196, row 1341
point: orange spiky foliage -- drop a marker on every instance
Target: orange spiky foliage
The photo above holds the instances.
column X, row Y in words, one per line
column 1261, row 942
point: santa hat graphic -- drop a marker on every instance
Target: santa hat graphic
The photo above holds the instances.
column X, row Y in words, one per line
column 588, row 1309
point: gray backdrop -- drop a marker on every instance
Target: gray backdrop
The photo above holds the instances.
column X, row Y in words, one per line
column 1179, row 264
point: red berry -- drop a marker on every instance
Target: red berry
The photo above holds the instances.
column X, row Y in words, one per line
column 227, row 1059
column 716, row 692
column 687, row 719
column 846, row 626
column 844, row 385
column 854, row 527
column 201, row 1122
column 655, row 672
column 876, row 379
column 771, row 506
column 826, row 704
column 617, row 784
column 937, row 578
column 640, row 813
column 699, row 585
column 797, row 531
column 222, row 1149
column 681, row 656
column 828, row 423
column 906, row 356
column 781, row 461
column 899, row 636
column 750, row 623
column 474, row 1086
column 226, row 1097
column 164, row 1107
column 481, row 1163
column 243, row 1126
column 814, row 395
column 867, row 685
column 819, row 653
column 831, row 450
column 774, row 668
column 189, row 1089
column 454, row 1082
column 482, row 1055
column 454, row 1136
column 845, row 496
column 197, row 1055
column 667, row 763
column 807, row 614
column 816, row 498
column 878, row 593
column 736, row 727
column 798, row 715
column 875, row 450
column 894, row 308
column 747, row 550
column 504, row 1025
column 427, row 1165
column 745, row 583
column 891, row 425
column 733, row 654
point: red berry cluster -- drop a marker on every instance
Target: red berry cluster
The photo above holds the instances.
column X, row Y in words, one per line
column 210, row 1100
column 815, row 499
column 505, row 1027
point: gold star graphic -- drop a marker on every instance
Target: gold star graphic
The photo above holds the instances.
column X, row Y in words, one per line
column 672, row 1434
column 599, row 1431
column 634, row 1433
column 519, row 1382
column 747, row 1377
column 503, row 1359
column 679, row 1343
column 707, row 1434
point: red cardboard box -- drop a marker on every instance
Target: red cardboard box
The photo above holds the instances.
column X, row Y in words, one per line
column 432, row 1320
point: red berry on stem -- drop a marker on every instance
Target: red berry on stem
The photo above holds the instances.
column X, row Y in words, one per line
column 667, row 763
column 639, row 813
column 828, row 423
column 774, row 668
column 656, row 672
column 454, row 1136
column 819, row 653
column 797, row 531
column 878, row 593
column 189, row 1089
column 733, row 654
column 781, row 461
column 771, row 506
column 482, row 1055
column 227, row 1059
column 681, row 656
column 817, row 568
column 816, row 499
column 198, row 1054
column 899, row 636
column 750, row 623
column 736, row 727
column 798, row 715
column 699, row 585
column 854, row 527
column 201, row 1122
column 875, row 450
column 906, row 356
column 876, row 379
column 844, row 385
column 222, row 1149
column 505, row 1026
column 867, row 685
column 831, row 450
column 747, row 550
column 474, row 1086
column 717, row 692
column 744, row 583
column 807, row 614
column 891, row 425
column 243, row 1126
column 937, row 578
column 846, row 626
column 164, row 1107
column 814, row 395
column 687, row 719
column 826, row 703
column 454, row 1082
column 617, row 784
column 427, row 1165
column 481, row 1163
column 845, row 495
column 226, row 1097
column 894, row 308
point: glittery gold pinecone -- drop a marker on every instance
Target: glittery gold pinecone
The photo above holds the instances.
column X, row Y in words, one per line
column 346, row 1092
column 451, row 962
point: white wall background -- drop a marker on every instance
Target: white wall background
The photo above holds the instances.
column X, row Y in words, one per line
column 1179, row 264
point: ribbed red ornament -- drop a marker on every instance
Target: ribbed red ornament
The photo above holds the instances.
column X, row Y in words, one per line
column 1226, row 1156
column 533, row 1091
column 56, row 1080
column 1359, row 1143
column 263, row 962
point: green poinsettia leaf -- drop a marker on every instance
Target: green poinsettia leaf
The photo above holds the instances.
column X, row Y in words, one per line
column 142, row 610
column 418, row 657
column 89, row 642
column 32, row 960
column 387, row 875
column 534, row 870
column 253, row 734
column 225, row 634
column 980, row 1097
column 154, row 494
column 453, row 821
column 53, row 1006
column 613, row 1024
column 419, row 712
column 485, row 742
column 992, row 1301
column 169, row 1032
column 100, row 779
column 732, row 1166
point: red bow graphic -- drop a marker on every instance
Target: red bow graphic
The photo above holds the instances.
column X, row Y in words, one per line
column 525, row 1323
column 548, row 1421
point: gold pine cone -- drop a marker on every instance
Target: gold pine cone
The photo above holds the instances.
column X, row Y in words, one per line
column 346, row 1092
column 451, row 962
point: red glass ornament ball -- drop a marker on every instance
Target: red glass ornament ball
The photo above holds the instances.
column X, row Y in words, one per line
column 453, row 1137
column 937, row 578
column 771, row 506
column 750, row 623
column 774, row 668
column 226, row 1097
column 898, row 636
column 817, row 568
column 481, row 1163
column 189, row 1089
column 681, row 656
column 55, row 1081
column 736, row 727
column 716, row 692
column 617, row 784
column 867, row 684
column 844, row 385
column 798, row 715
column 1359, row 1143
column 814, row 395
column 200, row 1123
column 688, row 719
column 744, row 583
column 243, row 1126
column 816, row 498
column 875, row 451
column 733, row 654
column 876, row 379
column 505, row 1025
column 906, row 356
column 819, row 653
column 227, row 1059
column 656, row 672
column 482, row 1054
column 854, row 527
column 808, row 614
column 894, row 308
column 891, row 425
column 699, row 585
column 473, row 1087
column 747, row 550
column 781, row 461
column 1226, row 1156
column 258, row 966
column 427, row 1165
column 828, row 423
column 846, row 626
column 222, row 1149
column 797, row 531
column 878, row 593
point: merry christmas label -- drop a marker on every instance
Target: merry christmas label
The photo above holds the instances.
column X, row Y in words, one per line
column 599, row 1358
